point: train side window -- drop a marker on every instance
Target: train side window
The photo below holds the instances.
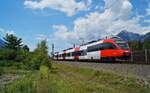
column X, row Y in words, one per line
column 67, row 54
column 108, row 46
column 73, row 53
column 70, row 53
column 83, row 52
column 63, row 55
column 94, row 48
column 78, row 53
column 90, row 49
column 100, row 47
column 112, row 46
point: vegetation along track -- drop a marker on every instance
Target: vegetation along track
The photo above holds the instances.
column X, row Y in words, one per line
column 137, row 70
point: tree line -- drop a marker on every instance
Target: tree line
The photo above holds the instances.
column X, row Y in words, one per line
column 15, row 51
column 138, row 45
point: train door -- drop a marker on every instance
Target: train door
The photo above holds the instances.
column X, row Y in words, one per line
column 93, row 52
column 95, row 55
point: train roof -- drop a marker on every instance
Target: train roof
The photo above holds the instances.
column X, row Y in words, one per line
column 115, row 38
column 110, row 37
column 118, row 39
column 90, row 42
column 67, row 49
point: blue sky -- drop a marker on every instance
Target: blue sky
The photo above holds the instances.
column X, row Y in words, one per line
column 68, row 22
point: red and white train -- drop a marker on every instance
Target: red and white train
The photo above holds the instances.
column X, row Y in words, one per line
column 110, row 49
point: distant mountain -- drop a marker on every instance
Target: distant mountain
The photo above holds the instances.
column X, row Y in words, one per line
column 129, row 36
column 2, row 43
column 146, row 37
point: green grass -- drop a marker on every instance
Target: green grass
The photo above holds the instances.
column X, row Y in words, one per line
column 80, row 80
column 69, row 79
column 25, row 85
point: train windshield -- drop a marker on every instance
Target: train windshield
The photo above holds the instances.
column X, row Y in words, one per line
column 123, row 46
column 121, row 43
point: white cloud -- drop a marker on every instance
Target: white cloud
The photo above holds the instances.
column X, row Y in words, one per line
column 148, row 10
column 147, row 21
column 95, row 25
column 4, row 32
column 63, row 33
column 10, row 32
column 148, row 14
column 118, row 8
column 70, row 7
column 41, row 37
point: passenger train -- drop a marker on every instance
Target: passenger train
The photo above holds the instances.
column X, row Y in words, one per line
column 110, row 49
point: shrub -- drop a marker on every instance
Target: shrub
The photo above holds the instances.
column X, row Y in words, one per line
column 40, row 56
column 146, row 45
column 1, row 71
column 7, row 54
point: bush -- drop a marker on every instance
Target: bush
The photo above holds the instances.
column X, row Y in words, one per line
column 7, row 54
column 23, row 56
column 13, row 64
column 40, row 56
column 146, row 45
column 1, row 71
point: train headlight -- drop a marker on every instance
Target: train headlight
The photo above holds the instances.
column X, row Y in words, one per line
column 126, row 53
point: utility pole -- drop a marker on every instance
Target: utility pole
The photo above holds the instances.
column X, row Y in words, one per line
column 82, row 41
column 74, row 45
column 146, row 56
column 53, row 50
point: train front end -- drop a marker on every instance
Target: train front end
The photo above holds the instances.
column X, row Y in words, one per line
column 124, row 52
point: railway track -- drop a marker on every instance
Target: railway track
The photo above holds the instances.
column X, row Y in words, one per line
column 141, row 71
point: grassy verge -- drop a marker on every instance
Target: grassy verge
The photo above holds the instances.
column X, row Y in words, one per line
column 80, row 80
column 68, row 79
column 25, row 85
